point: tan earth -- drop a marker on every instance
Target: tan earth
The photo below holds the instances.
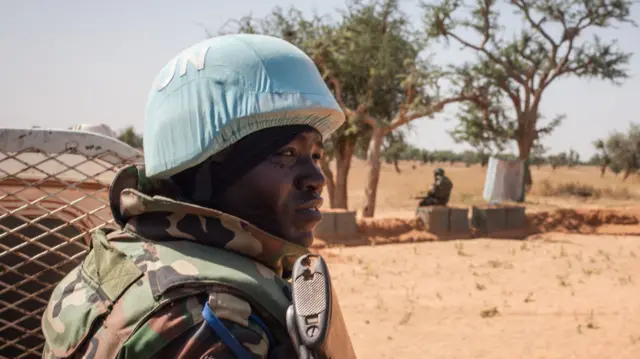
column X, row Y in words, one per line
column 557, row 296
column 396, row 190
column 574, row 294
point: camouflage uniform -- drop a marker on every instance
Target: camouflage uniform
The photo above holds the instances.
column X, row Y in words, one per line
column 140, row 291
column 440, row 191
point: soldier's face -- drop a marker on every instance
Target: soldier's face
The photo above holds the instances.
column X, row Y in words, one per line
column 283, row 193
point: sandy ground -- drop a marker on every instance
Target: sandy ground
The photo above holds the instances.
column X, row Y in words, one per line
column 396, row 191
column 554, row 296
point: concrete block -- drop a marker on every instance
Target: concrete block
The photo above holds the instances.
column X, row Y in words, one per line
column 345, row 222
column 516, row 217
column 488, row 220
column 336, row 222
column 327, row 225
column 458, row 220
column 496, row 219
column 435, row 219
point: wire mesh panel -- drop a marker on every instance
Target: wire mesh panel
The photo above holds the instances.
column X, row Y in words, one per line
column 54, row 188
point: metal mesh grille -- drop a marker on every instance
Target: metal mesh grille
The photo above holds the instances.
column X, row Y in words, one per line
column 49, row 205
column 307, row 300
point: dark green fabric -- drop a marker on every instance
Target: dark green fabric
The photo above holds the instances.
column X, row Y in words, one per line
column 108, row 268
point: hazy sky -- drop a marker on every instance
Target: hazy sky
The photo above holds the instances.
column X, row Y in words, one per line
column 66, row 62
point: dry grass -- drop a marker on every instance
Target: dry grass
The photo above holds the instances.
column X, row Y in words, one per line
column 562, row 188
column 581, row 190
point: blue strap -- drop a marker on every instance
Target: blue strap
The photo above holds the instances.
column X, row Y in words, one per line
column 225, row 335
column 264, row 328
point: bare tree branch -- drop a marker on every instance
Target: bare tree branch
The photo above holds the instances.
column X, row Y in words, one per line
column 403, row 119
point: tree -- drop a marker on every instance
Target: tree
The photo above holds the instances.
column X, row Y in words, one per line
column 537, row 156
column 573, row 158
column 426, row 157
column 395, row 149
column 370, row 58
column 338, row 54
column 558, row 160
column 130, row 137
column 552, row 44
column 623, row 150
column 603, row 159
column 401, row 94
column 472, row 128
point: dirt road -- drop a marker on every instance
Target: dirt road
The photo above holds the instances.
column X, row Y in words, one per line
column 557, row 296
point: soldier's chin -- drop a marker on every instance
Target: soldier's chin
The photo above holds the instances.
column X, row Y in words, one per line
column 301, row 237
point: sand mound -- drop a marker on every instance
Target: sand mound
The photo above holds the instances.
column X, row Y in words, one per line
column 581, row 221
column 388, row 226
column 380, row 231
column 407, row 230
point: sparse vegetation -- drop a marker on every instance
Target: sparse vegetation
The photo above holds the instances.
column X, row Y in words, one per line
column 529, row 298
column 130, row 137
column 459, row 246
column 489, row 313
column 553, row 42
column 620, row 152
column 499, row 264
column 563, row 280
column 589, row 271
column 590, row 322
column 576, row 189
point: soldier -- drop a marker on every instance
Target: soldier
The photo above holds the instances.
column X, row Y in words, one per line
column 212, row 224
column 440, row 190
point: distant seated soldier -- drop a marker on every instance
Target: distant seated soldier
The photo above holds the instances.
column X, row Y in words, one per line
column 440, row 190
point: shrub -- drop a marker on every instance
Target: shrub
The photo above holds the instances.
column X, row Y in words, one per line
column 577, row 189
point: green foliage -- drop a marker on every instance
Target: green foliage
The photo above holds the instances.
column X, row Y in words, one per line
column 485, row 132
column 368, row 57
column 130, row 137
column 620, row 152
column 537, row 157
column 397, row 149
column 552, row 43
column 573, row 158
column 569, row 159
column 595, row 160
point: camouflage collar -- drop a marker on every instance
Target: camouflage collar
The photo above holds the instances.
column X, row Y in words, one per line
column 160, row 218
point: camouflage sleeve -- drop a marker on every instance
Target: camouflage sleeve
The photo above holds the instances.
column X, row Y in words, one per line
column 184, row 337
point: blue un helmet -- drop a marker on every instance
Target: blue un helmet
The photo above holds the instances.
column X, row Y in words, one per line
column 222, row 89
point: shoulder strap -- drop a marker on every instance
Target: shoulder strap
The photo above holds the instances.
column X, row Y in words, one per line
column 225, row 335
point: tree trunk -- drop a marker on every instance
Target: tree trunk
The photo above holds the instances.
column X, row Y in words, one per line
column 331, row 185
column 373, row 162
column 395, row 164
column 525, row 139
column 344, row 154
